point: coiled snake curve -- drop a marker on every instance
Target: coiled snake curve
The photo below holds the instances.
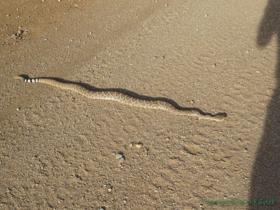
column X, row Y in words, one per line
column 150, row 103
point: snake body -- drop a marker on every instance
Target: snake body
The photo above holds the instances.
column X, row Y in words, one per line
column 126, row 99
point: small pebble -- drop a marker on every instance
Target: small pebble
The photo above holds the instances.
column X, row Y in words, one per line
column 138, row 145
column 120, row 157
column 20, row 31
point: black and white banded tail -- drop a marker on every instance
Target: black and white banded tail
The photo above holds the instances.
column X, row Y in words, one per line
column 27, row 80
column 31, row 80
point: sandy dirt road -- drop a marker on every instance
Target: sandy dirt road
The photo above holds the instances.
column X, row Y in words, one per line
column 60, row 150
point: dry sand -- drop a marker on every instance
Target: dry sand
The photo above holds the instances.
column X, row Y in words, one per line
column 60, row 150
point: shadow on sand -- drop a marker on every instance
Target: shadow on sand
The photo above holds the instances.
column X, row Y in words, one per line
column 265, row 179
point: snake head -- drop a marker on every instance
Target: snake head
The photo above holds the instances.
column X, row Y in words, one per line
column 220, row 116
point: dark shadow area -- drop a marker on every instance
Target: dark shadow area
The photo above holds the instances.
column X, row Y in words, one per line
column 265, row 183
column 131, row 94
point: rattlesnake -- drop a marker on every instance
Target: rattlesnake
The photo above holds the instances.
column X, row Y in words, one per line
column 128, row 100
